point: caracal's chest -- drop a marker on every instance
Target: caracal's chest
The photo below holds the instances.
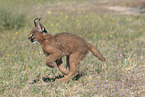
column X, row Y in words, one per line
column 45, row 50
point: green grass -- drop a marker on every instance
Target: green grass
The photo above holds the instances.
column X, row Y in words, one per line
column 11, row 21
column 120, row 38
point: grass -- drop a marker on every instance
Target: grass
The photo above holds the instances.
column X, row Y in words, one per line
column 10, row 21
column 120, row 38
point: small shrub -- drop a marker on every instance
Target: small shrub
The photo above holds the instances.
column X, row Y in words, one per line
column 11, row 21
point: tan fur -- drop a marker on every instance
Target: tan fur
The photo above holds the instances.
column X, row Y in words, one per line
column 63, row 44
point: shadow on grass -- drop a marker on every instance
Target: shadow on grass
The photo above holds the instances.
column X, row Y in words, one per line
column 48, row 79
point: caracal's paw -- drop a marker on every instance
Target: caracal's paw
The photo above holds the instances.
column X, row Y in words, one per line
column 64, row 79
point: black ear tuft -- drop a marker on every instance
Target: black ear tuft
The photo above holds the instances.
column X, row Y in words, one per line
column 40, row 26
column 39, row 19
column 35, row 25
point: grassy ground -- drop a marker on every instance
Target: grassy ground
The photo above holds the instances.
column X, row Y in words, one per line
column 119, row 37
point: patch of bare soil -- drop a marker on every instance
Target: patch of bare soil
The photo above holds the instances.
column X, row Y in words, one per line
column 121, row 10
column 128, row 7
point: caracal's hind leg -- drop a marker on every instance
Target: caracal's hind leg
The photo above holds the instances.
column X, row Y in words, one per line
column 61, row 67
column 75, row 59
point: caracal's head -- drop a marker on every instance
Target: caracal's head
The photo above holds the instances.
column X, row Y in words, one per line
column 37, row 32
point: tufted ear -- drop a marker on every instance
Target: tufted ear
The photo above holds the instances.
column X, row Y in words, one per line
column 35, row 22
column 39, row 25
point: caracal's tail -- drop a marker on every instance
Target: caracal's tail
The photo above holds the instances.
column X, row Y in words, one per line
column 96, row 52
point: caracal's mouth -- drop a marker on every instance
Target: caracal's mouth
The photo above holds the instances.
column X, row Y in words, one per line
column 33, row 41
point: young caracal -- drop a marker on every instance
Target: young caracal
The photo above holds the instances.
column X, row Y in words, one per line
column 63, row 44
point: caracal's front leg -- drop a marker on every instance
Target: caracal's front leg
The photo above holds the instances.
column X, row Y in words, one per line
column 51, row 58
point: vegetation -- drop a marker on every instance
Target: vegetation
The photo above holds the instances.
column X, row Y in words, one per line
column 119, row 37
column 9, row 21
